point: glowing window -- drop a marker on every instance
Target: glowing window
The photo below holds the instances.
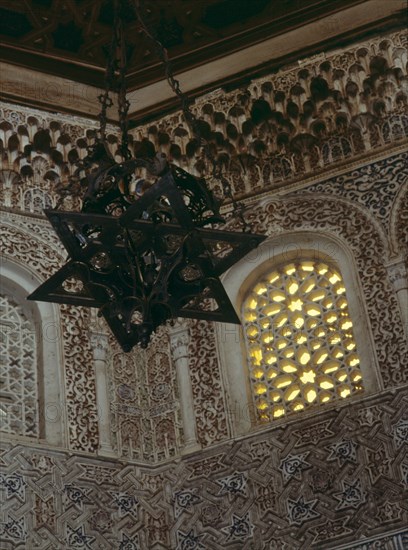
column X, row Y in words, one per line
column 300, row 341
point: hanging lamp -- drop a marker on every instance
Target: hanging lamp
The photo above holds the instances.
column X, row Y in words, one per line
column 143, row 251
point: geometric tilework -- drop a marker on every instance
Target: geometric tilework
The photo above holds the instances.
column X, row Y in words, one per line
column 274, row 490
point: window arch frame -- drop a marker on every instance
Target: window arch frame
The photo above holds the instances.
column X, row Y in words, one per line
column 22, row 320
column 18, row 282
column 238, row 282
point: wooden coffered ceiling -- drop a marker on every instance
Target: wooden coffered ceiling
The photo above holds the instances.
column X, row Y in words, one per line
column 69, row 39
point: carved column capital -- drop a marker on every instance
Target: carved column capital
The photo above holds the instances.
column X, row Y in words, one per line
column 100, row 345
column 398, row 274
column 179, row 340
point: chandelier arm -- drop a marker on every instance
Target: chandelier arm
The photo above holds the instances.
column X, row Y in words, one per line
column 237, row 206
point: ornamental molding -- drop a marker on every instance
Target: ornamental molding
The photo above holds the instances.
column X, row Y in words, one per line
column 380, row 187
column 38, row 227
column 305, row 180
column 295, row 124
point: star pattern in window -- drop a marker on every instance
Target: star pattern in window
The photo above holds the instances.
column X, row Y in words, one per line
column 300, row 341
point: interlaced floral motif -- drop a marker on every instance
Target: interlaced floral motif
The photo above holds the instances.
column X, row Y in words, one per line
column 233, row 484
column 293, row 465
column 75, row 495
column 189, row 541
column 240, row 528
column 301, row 510
column 126, row 503
column 13, row 529
column 343, row 451
column 185, row 501
column 14, row 485
column 77, row 539
column 400, row 433
column 128, row 543
column 352, row 495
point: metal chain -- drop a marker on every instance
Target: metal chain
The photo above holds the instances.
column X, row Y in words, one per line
column 123, row 103
column 192, row 120
column 115, row 80
column 173, row 82
column 105, row 99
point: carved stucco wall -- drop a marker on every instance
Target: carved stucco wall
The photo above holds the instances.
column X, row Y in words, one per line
column 358, row 207
column 30, row 243
column 316, row 481
column 320, row 481
column 303, row 120
column 145, row 402
column 143, row 389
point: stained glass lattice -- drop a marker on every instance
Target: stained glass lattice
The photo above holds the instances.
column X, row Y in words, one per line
column 300, row 341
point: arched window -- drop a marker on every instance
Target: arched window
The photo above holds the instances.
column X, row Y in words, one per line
column 305, row 340
column 299, row 338
column 18, row 371
column 32, row 403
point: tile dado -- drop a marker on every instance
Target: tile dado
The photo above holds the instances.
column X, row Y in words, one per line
column 334, row 483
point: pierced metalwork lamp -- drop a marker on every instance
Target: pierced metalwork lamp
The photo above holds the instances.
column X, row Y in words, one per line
column 142, row 252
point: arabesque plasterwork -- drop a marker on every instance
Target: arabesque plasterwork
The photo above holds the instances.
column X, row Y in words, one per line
column 332, row 479
column 303, row 120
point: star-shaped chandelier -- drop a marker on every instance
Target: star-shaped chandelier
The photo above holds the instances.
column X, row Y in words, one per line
column 143, row 251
